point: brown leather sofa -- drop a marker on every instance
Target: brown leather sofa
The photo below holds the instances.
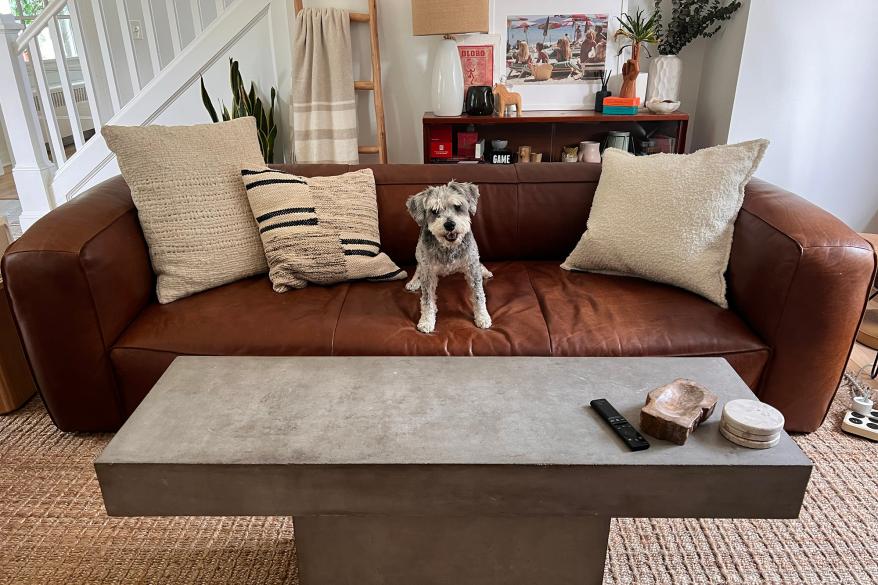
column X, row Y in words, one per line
column 82, row 291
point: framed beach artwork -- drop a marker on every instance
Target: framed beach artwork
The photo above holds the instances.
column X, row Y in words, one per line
column 555, row 56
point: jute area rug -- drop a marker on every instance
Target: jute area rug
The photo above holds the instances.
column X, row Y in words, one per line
column 53, row 528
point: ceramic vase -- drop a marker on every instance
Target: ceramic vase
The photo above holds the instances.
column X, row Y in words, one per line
column 447, row 83
column 665, row 73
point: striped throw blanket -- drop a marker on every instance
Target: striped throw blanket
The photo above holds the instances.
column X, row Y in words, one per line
column 324, row 106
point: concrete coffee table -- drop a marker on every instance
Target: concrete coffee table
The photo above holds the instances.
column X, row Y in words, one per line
column 433, row 470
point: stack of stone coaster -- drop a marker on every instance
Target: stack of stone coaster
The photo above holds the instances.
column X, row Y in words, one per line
column 751, row 423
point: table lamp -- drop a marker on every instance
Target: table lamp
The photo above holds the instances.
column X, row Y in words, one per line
column 448, row 17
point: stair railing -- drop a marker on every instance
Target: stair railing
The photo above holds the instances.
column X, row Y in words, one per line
column 47, row 117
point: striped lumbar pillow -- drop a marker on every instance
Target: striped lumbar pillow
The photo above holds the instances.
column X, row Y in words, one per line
column 321, row 230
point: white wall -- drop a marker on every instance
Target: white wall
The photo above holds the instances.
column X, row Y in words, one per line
column 812, row 100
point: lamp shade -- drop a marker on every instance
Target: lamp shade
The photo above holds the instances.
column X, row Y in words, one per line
column 446, row 17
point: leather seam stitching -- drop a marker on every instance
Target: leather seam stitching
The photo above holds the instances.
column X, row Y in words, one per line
column 542, row 312
column 338, row 320
column 802, row 246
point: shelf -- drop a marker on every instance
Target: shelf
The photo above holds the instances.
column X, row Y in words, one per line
column 554, row 116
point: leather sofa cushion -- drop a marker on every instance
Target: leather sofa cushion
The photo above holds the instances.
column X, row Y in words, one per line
column 589, row 314
column 538, row 310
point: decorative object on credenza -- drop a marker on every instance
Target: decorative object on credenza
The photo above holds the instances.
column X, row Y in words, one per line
column 618, row 139
column 505, row 98
column 657, row 106
column 590, row 151
column 247, row 103
column 440, row 142
column 751, row 423
column 689, row 20
column 447, row 18
column 480, row 100
column 637, row 31
column 466, row 142
column 604, row 93
column 499, row 155
column 524, row 154
column 674, row 410
column 619, row 106
column 536, row 157
column 477, row 64
column 570, row 153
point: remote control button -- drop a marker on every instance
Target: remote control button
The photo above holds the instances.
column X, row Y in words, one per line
column 872, row 425
column 874, row 413
column 873, row 419
column 857, row 414
column 856, row 421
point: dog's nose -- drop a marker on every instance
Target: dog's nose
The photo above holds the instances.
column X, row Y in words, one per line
column 449, row 226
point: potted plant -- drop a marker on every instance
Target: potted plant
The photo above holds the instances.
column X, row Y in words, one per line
column 689, row 20
column 637, row 31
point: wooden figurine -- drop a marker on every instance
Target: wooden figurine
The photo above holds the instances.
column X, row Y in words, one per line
column 504, row 98
column 673, row 411
column 630, row 71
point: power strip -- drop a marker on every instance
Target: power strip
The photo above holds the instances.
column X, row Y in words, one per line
column 862, row 425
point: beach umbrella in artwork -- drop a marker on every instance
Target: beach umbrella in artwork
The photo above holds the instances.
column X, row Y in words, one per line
column 524, row 24
column 547, row 26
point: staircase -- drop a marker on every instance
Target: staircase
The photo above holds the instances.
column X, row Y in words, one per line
column 81, row 64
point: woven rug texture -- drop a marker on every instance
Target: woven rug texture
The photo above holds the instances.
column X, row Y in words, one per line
column 53, row 528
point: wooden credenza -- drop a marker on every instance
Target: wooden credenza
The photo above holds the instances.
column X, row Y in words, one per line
column 549, row 131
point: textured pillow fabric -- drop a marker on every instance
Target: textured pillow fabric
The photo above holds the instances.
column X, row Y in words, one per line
column 668, row 217
column 186, row 184
column 321, row 230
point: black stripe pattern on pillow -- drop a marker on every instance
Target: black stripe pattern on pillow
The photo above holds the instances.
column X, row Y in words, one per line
column 320, row 230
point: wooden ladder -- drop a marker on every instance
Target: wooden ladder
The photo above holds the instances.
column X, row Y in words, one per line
column 375, row 84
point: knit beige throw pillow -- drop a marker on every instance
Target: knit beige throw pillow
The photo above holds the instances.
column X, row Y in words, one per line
column 321, row 230
column 186, row 184
column 668, row 217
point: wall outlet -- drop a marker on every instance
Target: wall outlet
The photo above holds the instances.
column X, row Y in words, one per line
column 136, row 30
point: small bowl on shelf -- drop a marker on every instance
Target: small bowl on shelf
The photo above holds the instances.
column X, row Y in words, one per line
column 499, row 144
column 660, row 106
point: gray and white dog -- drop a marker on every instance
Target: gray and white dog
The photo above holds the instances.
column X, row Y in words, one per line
column 447, row 246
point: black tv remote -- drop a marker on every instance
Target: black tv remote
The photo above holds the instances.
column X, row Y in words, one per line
column 620, row 424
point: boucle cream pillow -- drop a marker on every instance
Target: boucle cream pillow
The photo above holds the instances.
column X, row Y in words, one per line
column 186, row 184
column 668, row 217
column 321, row 230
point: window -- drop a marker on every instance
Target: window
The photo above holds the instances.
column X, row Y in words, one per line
column 26, row 11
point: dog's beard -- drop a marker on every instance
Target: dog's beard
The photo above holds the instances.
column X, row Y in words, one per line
column 452, row 238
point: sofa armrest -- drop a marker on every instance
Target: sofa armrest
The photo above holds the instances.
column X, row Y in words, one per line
column 799, row 277
column 75, row 280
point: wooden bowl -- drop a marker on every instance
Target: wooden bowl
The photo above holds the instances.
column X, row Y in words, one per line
column 673, row 411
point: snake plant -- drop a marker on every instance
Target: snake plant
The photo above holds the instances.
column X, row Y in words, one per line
column 246, row 103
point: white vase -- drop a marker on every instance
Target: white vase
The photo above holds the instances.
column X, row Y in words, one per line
column 447, row 89
column 665, row 73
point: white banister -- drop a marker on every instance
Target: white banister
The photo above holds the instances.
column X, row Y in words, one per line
column 85, row 65
column 48, row 107
column 32, row 171
column 150, row 34
column 220, row 6
column 66, row 86
column 128, row 45
column 106, row 55
column 38, row 24
column 174, row 25
column 197, row 22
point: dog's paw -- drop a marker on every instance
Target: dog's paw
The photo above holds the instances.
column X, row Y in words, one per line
column 483, row 321
column 427, row 325
column 414, row 285
column 487, row 274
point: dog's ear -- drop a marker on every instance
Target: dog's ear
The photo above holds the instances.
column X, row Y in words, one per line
column 415, row 205
column 470, row 193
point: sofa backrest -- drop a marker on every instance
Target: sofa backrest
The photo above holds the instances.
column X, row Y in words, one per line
column 526, row 212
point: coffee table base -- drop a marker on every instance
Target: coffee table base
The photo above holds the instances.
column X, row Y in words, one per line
column 429, row 550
